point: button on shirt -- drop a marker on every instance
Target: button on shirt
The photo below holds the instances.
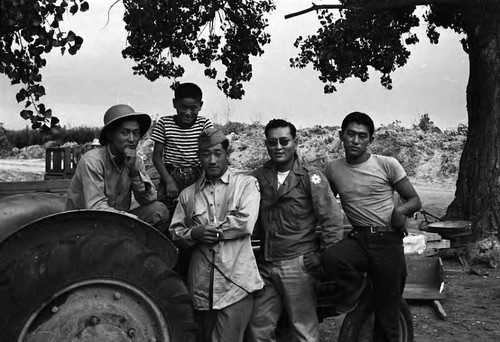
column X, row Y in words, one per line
column 98, row 183
column 232, row 204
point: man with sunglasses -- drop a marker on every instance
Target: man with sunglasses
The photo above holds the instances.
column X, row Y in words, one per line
column 296, row 199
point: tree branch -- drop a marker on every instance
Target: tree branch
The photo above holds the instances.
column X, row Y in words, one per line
column 315, row 7
column 376, row 5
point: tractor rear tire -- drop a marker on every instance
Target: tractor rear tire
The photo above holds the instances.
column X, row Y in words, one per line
column 92, row 276
column 358, row 324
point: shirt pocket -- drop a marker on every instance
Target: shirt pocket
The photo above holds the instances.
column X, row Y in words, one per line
column 200, row 215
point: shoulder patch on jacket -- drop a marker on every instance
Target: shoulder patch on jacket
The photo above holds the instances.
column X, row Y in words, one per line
column 315, row 178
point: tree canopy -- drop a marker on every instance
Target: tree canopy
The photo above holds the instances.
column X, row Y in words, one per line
column 224, row 34
column 29, row 30
column 221, row 35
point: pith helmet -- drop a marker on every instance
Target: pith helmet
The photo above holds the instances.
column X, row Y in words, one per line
column 121, row 112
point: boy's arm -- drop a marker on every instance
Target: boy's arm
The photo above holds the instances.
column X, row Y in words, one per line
column 171, row 185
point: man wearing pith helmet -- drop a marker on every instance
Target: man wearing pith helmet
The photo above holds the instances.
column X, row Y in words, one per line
column 106, row 177
column 215, row 217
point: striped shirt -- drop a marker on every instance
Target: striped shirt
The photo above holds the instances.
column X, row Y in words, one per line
column 180, row 144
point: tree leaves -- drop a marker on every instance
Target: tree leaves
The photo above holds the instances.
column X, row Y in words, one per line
column 29, row 30
column 213, row 33
column 347, row 46
column 361, row 38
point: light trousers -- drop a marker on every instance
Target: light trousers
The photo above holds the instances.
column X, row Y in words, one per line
column 290, row 287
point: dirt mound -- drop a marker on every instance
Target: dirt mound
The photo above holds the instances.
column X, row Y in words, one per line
column 426, row 156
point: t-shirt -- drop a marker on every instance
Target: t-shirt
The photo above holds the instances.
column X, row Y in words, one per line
column 366, row 190
column 180, row 144
column 281, row 177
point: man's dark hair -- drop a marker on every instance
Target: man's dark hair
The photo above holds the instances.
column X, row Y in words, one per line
column 278, row 123
column 225, row 145
column 359, row 118
column 190, row 90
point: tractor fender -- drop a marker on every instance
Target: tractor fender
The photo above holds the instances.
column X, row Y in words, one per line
column 19, row 210
column 88, row 221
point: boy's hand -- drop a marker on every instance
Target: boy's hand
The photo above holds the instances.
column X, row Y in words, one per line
column 172, row 189
column 207, row 234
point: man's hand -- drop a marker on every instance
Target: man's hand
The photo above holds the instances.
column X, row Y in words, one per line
column 172, row 189
column 398, row 219
column 129, row 157
column 311, row 261
column 207, row 234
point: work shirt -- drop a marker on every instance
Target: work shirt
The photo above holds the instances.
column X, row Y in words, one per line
column 98, row 183
column 230, row 203
column 366, row 190
column 289, row 215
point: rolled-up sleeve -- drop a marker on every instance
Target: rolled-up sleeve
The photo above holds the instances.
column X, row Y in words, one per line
column 142, row 185
column 180, row 227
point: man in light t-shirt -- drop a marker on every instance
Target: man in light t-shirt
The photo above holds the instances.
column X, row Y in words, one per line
column 366, row 183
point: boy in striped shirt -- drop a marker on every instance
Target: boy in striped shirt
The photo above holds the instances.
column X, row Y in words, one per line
column 176, row 143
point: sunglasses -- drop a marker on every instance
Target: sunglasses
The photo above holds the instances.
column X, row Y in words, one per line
column 274, row 141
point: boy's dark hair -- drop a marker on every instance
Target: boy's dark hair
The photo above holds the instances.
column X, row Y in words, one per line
column 278, row 123
column 190, row 90
column 359, row 118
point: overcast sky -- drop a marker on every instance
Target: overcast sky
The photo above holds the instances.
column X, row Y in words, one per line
column 80, row 88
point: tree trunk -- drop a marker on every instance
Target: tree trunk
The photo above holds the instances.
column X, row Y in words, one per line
column 477, row 197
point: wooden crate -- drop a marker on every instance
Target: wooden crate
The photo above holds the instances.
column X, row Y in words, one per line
column 60, row 162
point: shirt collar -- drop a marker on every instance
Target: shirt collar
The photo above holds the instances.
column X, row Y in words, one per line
column 225, row 178
column 113, row 159
column 296, row 166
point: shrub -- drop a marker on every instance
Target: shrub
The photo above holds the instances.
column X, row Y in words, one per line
column 28, row 137
column 236, row 127
column 5, row 145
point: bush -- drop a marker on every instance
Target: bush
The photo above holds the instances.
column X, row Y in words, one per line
column 5, row 145
column 233, row 127
column 28, row 137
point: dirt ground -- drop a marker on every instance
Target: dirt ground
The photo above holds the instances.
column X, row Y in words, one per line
column 471, row 304
column 21, row 169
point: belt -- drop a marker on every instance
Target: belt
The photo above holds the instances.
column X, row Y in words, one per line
column 382, row 230
column 183, row 169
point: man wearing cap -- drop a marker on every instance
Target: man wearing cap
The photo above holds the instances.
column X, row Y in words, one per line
column 215, row 217
column 106, row 177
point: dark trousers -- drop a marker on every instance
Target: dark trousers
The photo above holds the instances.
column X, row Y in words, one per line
column 183, row 177
column 381, row 256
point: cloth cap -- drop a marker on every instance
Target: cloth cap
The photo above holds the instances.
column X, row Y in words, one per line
column 210, row 137
column 122, row 112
